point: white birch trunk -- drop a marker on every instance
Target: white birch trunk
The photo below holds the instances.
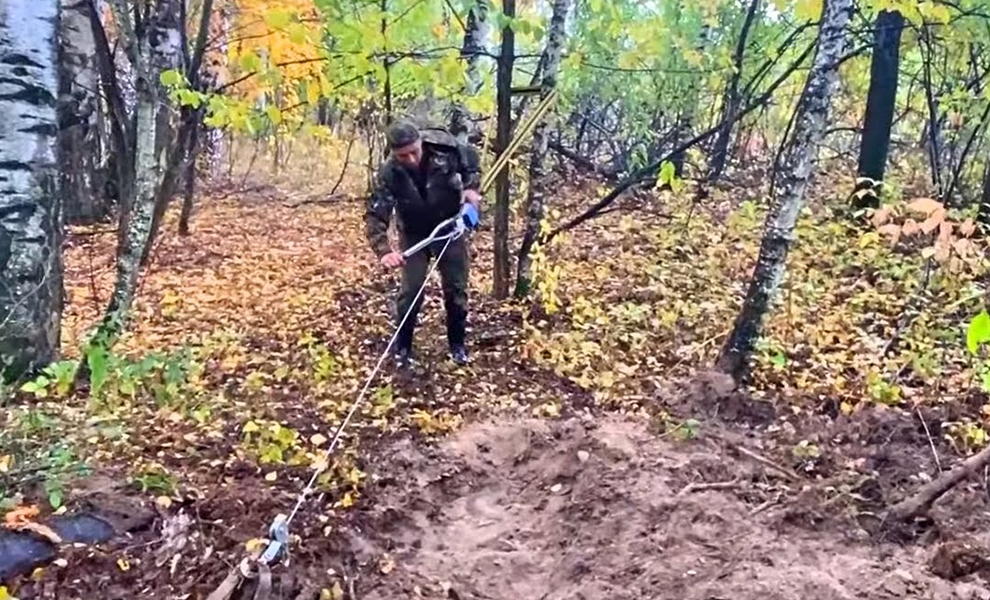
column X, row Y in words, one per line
column 797, row 166
column 30, row 262
column 476, row 29
column 155, row 50
column 536, row 201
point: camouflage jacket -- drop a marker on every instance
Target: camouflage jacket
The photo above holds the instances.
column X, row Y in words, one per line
column 447, row 168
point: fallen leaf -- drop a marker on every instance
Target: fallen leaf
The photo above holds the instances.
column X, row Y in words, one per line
column 19, row 516
column 925, row 206
column 123, row 564
column 386, row 564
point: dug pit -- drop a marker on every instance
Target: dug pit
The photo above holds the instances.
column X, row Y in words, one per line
column 579, row 509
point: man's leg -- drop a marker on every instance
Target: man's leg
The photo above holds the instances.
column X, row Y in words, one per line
column 454, row 270
column 413, row 276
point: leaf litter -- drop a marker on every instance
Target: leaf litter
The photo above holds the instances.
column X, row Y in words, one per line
column 285, row 313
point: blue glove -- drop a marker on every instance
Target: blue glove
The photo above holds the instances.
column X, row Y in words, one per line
column 469, row 214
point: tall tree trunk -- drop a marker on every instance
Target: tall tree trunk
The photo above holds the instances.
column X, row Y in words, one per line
column 730, row 105
column 880, row 102
column 170, row 141
column 82, row 195
column 503, row 131
column 983, row 216
column 30, row 252
column 809, row 129
column 476, row 29
column 120, row 168
column 541, row 138
column 935, row 142
column 155, row 50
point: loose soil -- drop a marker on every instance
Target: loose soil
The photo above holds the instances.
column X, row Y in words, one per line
column 583, row 507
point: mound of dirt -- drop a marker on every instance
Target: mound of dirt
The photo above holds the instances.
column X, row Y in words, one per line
column 577, row 509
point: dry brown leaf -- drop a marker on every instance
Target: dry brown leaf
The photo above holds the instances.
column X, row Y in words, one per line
column 21, row 515
column 925, row 206
column 967, row 228
column 931, row 223
column 945, row 231
column 43, row 530
column 881, row 216
column 910, row 227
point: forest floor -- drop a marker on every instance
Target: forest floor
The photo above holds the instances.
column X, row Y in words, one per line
column 586, row 452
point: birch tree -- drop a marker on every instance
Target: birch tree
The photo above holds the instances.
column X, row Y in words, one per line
column 797, row 166
column 475, row 31
column 30, row 265
column 536, row 201
column 152, row 48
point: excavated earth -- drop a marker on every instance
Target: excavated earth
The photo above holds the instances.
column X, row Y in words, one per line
column 591, row 509
column 588, row 506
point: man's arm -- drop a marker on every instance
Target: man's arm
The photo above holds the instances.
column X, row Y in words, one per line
column 471, row 174
column 378, row 215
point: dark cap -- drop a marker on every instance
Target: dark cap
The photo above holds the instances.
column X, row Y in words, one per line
column 402, row 133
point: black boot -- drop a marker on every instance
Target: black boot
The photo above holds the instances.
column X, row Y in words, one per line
column 404, row 356
column 459, row 354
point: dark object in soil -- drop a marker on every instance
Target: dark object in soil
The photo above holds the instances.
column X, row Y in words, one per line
column 21, row 552
column 81, row 529
column 960, row 558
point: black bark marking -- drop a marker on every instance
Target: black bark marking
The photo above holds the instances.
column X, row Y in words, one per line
column 37, row 96
column 41, row 128
column 14, row 165
column 19, row 59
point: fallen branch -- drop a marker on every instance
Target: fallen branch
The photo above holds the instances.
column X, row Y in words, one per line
column 692, row 488
column 929, row 493
column 766, row 462
column 647, row 175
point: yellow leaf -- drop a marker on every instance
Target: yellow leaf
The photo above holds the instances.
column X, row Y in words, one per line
column 334, row 593
column 163, row 502
column 37, row 574
column 318, row 439
column 846, row 408
column 5, row 462
column 312, row 97
column 123, row 564
column 808, row 10
column 4, row 594
column 251, row 427
column 271, row 476
column 255, row 545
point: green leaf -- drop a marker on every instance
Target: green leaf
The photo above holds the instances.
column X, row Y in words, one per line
column 172, row 78
column 278, row 19
column 978, row 331
column 298, row 33
column 668, row 174
column 273, row 113
column 96, row 358
column 250, row 61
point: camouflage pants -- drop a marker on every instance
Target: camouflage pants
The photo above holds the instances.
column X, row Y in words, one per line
column 453, row 269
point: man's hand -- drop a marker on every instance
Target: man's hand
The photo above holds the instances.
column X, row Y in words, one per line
column 472, row 197
column 393, row 260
